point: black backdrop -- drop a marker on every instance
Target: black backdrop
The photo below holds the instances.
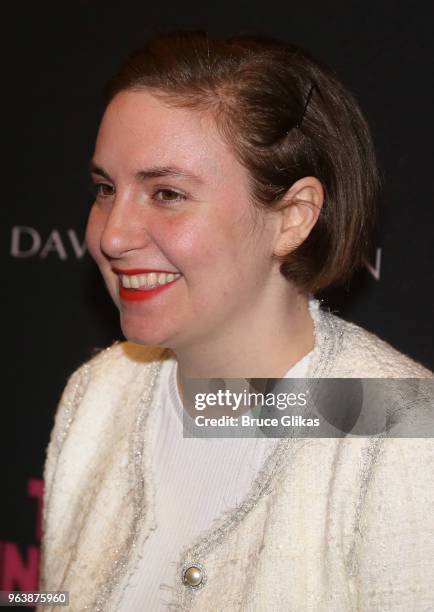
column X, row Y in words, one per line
column 54, row 62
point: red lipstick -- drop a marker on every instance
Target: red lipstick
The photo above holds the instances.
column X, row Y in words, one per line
column 138, row 295
column 141, row 271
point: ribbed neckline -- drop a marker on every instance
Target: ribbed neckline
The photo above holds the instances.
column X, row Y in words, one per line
column 297, row 370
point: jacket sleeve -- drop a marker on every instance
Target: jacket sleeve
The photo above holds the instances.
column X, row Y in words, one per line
column 396, row 532
column 65, row 411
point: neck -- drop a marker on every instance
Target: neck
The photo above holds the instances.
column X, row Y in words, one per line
column 265, row 349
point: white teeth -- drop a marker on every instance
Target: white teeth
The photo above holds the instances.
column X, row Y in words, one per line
column 126, row 281
column 151, row 281
column 147, row 281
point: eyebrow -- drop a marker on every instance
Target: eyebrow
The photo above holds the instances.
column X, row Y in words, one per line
column 148, row 173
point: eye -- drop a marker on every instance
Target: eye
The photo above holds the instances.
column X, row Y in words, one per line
column 98, row 190
column 169, row 196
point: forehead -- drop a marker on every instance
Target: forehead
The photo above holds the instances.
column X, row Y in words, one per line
column 139, row 130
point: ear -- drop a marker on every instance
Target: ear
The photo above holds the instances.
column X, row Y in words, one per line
column 299, row 210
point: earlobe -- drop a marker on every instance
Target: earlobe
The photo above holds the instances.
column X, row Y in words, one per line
column 299, row 211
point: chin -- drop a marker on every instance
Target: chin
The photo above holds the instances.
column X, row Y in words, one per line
column 147, row 336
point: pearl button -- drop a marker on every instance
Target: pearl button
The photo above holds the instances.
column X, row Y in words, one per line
column 192, row 576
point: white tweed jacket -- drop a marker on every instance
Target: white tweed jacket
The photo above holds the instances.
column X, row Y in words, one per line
column 329, row 525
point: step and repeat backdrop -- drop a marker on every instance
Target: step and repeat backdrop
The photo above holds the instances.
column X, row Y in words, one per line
column 55, row 61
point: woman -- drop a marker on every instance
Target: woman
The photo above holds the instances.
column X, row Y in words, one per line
column 235, row 178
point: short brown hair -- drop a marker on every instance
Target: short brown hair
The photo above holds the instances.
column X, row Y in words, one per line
column 285, row 115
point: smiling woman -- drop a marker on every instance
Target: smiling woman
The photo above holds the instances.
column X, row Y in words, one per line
column 234, row 179
column 209, row 236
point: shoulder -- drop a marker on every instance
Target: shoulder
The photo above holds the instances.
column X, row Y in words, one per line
column 108, row 376
column 119, row 361
column 363, row 354
column 106, row 373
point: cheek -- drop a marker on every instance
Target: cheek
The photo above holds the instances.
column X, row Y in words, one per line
column 183, row 240
column 209, row 253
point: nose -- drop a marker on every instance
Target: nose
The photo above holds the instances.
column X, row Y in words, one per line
column 125, row 229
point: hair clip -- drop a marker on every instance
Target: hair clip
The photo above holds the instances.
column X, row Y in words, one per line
column 309, row 95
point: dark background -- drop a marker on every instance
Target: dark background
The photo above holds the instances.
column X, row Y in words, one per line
column 55, row 60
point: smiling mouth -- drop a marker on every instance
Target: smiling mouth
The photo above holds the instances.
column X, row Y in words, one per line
column 147, row 281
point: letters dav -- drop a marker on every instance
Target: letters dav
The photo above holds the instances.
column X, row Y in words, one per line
column 28, row 242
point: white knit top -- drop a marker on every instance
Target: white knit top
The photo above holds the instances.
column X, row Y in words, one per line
column 329, row 524
column 196, row 480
